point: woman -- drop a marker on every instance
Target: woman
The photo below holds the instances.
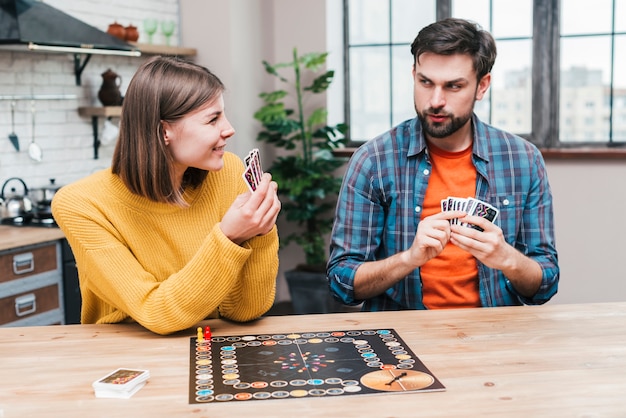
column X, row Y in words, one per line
column 169, row 235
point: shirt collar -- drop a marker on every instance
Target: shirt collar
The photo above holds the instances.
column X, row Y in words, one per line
column 417, row 145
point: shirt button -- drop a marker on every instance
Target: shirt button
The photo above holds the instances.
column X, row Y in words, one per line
column 505, row 202
column 418, row 209
column 426, row 172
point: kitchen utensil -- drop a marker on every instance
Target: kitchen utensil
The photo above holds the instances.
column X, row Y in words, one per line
column 13, row 136
column 44, row 194
column 109, row 132
column 16, row 208
column 109, row 93
column 34, row 150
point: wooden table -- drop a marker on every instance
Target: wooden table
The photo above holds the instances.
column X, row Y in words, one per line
column 551, row 360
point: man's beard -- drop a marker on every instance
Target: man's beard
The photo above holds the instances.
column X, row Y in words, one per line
column 444, row 129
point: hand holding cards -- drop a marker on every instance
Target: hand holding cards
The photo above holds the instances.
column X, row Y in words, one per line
column 122, row 383
column 253, row 172
column 472, row 207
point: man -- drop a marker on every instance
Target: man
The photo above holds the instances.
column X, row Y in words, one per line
column 392, row 247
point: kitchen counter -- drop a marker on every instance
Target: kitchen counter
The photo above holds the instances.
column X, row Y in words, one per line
column 20, row 236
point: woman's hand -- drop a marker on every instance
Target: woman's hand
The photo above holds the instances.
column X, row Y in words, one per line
column 252, row 213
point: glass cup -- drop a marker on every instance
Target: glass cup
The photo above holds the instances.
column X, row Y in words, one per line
column 150, row 27
column 167, row 29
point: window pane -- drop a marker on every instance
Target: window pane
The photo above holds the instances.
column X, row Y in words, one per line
column 579, row 17
column 408, row 17
column 620, row 15
column 369, row 22
column 619, row 90
column 585, row 77
column 369, row 92
column 512, row 87
column 475, row 10
column 403, row 106
column 512, row 19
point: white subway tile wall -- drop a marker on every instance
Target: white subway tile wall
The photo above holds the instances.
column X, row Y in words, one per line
column 65, row 137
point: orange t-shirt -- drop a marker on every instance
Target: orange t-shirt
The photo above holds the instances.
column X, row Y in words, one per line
column 449, row 280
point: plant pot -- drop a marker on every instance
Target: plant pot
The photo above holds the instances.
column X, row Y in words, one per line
column 310, row 293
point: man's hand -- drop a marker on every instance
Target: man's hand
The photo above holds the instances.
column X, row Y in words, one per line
column 433, row 234
column 487, row 246
column 490, row 247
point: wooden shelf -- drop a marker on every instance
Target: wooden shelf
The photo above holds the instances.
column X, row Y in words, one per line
column 151, row 49
column 99, row 112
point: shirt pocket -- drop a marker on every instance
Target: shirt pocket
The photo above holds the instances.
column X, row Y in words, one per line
column 510, row 217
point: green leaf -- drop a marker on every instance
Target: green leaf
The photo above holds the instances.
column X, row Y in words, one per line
column 273, row 96
column 318, row 117
column 271, row 112
column 321, row 83
column 313, row 60
column 271, row 69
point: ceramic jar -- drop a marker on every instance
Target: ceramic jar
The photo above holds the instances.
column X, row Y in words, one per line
column 109, row 93
column 117, row 30
column 132, row 34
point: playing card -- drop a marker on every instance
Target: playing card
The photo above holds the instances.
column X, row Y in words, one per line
column 253, row 172
column 484, row 210
column 121, row 380
column 471, row 206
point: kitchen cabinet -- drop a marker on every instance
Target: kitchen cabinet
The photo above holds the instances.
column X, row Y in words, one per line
column 97, row 112
column 31, row 285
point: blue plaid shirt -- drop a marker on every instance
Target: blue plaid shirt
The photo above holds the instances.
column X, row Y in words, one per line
column 382, row 194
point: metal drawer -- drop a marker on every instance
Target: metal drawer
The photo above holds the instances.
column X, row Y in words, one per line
column 29, row 304
column 15, row 265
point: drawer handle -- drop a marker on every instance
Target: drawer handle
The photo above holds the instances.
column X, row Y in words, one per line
column 25, row 305
column 23, row 263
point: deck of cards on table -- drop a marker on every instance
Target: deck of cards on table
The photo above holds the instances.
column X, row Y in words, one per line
column 253, row 172
column 471, row 206
column 121, row 383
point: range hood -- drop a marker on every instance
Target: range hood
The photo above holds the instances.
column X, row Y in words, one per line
column 34, row 25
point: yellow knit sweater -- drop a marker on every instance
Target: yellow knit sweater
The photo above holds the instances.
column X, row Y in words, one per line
column 164, row 266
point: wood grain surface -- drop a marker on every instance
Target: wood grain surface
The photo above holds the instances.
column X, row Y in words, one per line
column 552, row 360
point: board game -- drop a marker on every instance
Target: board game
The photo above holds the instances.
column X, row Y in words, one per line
column 299, row 364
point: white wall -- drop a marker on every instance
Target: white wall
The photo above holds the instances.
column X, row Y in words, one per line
column 589, row 200
column 232, row 37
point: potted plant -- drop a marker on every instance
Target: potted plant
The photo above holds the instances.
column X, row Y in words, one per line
column 307, row 184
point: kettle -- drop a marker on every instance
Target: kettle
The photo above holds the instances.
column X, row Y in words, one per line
column 15, row 208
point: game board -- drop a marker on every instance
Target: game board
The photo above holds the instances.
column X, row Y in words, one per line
column 295, row 365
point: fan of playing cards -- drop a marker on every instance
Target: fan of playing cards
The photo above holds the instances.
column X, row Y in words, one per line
column 471, row 206
column 253, row 172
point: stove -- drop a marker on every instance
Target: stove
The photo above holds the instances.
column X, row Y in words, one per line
column 35, row 221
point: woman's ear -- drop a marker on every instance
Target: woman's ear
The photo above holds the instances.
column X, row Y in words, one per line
column 168, row 132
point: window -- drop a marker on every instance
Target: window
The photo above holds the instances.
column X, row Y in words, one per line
column 559, row 78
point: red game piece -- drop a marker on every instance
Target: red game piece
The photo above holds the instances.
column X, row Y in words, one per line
column 207, row 333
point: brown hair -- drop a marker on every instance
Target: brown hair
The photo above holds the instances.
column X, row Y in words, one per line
column 162, row 89
column 457, row 36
